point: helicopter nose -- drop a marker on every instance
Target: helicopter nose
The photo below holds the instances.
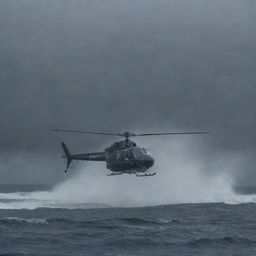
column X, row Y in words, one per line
column 146, row 161
column 149, row 162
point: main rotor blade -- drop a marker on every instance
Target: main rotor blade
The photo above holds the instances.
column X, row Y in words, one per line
column 128, row 134
column 170, row 133
column 77, row 131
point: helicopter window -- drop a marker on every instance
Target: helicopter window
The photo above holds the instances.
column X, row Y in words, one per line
column 121, row 156
column 147, row 152
column 138, row 152
column 128, row 155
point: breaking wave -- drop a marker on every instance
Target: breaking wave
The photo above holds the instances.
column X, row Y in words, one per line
column 82, row 198
column 17, row 220
column 223, row 241
column 97, row 223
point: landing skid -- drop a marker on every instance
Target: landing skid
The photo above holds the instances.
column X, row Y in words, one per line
column 114, row 174
column 145, row 174
column 136, row 173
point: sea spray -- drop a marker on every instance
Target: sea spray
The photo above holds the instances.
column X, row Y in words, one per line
column 183, row 176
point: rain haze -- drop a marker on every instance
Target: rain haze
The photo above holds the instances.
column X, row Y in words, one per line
column 142, row 66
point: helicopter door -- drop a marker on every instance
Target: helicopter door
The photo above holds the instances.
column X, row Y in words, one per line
column 137, row 152
column 129, row 155
column 121, row 156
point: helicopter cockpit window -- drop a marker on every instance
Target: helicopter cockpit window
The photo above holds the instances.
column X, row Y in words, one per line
column 124, row 155
column 138, row 152
column 121, row 155
column 128, row 155
column 147, row 152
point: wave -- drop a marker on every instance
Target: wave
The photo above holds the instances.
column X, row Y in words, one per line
column 103, row 223
column 136, row 242
column 13, row 254
column 109, row 221
column 36, row 221
column 17, row 220
column 39, row 199
column 34, row 195
column 34, row 200
column 223, row 241
column 142, row 221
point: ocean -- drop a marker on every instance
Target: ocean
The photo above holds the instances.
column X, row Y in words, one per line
column 33, row 225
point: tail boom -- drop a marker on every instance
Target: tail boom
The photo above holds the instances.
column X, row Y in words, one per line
column 97, row 156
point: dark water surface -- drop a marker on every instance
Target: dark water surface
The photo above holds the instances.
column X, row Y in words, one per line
column 184, row 229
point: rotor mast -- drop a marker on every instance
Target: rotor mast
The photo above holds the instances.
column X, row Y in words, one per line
column 127, row 135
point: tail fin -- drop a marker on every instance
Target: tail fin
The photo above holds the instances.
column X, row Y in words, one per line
column 67, row 155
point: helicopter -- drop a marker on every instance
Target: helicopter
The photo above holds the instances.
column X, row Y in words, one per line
column 122, row 157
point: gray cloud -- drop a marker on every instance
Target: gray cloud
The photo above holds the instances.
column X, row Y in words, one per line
column 117, row 65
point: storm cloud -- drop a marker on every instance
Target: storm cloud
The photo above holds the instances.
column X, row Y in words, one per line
column 144, row 65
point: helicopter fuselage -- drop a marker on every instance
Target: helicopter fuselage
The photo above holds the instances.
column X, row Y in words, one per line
column 134, row 159
column 121, row 157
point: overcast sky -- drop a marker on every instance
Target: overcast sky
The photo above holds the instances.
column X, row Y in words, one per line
column 143, row 65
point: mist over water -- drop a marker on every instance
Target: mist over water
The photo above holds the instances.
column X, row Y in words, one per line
column 181, row 178
column 184, row 175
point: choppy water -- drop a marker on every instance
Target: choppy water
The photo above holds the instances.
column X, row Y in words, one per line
column 87, row 229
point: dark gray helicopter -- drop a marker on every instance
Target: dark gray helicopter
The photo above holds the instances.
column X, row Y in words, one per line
column 122, row 156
